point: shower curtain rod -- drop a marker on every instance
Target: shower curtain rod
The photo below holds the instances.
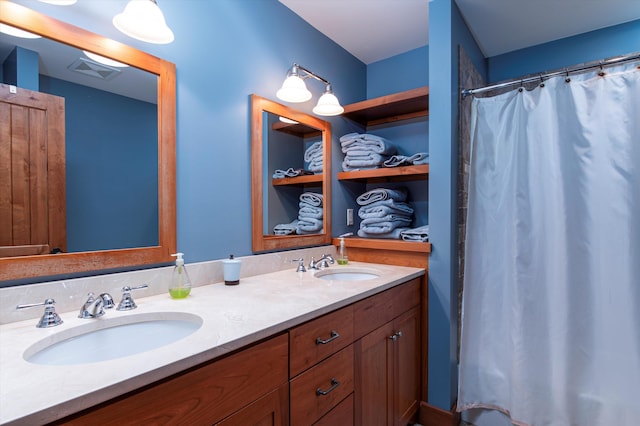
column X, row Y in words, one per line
column 543, row 76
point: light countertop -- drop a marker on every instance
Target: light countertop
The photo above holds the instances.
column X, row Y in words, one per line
column 232, row 317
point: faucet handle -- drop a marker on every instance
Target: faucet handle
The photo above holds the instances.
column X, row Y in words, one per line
column 127, row 303
column 300, row 267
column 50, row 318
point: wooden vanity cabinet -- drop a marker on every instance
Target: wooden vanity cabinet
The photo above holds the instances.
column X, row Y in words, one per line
column 343, row 368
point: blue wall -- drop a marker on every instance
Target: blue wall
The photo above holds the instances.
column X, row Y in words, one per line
column 587, row 47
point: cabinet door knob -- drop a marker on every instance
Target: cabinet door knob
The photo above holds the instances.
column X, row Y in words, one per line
column 334, row 336
column 396, row 336
column 334, row 384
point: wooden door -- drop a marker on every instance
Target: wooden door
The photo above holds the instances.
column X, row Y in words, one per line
column 32, row 172
column 406, row 362
column 374, row 378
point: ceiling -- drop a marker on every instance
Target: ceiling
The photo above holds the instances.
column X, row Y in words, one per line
column 373, row 30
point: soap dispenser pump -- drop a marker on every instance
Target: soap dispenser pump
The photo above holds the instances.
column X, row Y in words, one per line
column 180, row 286
column 343, row 259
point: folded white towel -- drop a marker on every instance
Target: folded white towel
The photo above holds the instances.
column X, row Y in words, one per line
column 315, row 150
column 308, row 225
column 384, row 207
column 367, row 141
column 314, row 199
column 402, row 160
column 309, row 211
column 285, row 228
column 421, row 233
column 378, row 194
column 391, row 235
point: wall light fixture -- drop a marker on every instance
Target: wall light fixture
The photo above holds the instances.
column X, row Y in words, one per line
column 143, row 20
column 295, row 90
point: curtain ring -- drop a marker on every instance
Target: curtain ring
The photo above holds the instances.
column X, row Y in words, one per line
column 601, row 73
column 520, row 89
column 541, row 81
column 567, row 78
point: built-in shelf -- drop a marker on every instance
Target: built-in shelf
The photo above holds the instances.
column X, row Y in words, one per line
column 412, row 103
column 298, row 180
column 419, row 172
column 386, row 244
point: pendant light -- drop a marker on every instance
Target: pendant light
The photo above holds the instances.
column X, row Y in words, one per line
column 295, row 90
column 143, row 20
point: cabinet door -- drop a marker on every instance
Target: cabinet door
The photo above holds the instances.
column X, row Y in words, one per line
column 374, row 378
column 270, row 410
column 406, row 351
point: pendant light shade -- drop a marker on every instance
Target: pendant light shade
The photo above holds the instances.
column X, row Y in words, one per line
column 143, row 20
column 295, row 90
column 328, row 104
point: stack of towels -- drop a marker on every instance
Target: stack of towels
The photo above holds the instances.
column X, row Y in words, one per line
column 365, row 151
column 309, row 219
column 384, row 213
column 313, row 157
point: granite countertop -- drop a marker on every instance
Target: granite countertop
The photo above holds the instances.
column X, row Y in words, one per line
column 232, row 317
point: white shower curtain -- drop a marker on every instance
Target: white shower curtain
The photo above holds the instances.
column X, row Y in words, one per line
column 551, row 302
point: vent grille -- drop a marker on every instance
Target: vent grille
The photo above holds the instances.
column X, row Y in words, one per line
column 94, row 69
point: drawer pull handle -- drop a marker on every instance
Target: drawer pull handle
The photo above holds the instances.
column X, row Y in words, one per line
column 334, row 384
column 334, row 336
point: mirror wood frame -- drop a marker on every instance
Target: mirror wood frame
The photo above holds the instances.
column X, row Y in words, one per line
column 14, row 268
column 260, row 241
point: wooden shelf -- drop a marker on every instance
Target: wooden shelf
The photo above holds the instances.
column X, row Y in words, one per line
column 391, row 108
column 298, row 129
column 419, row 172
column 379, row 243
column 298, row 180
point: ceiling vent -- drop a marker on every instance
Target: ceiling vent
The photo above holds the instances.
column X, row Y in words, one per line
column 94, row 69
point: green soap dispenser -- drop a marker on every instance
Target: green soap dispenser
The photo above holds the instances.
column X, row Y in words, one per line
column 343, row 259
column 180, row 286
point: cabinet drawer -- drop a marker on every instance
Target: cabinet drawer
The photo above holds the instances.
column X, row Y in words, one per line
column 316, row 391
column 341, row 415
column 318, row 339
column 377, row 310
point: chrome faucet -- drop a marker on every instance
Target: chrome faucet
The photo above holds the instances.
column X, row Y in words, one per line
column 94, row 306
column 321, row 263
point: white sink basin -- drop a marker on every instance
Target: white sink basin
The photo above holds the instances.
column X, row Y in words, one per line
column 347, row 274
column 106, row 339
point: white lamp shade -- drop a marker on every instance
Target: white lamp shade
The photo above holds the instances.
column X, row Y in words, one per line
column 293, row 90
column 328, row 105
column 143, row 20
column 16, row 32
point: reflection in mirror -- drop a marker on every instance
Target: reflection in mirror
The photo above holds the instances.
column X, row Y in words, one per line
column 110, row 144
column 291, row 195
column 117, row 158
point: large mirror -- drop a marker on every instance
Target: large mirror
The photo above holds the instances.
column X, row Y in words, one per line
column 113, row 202
column 290, row 177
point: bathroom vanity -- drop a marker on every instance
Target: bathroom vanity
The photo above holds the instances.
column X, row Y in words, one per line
column 280, row 348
